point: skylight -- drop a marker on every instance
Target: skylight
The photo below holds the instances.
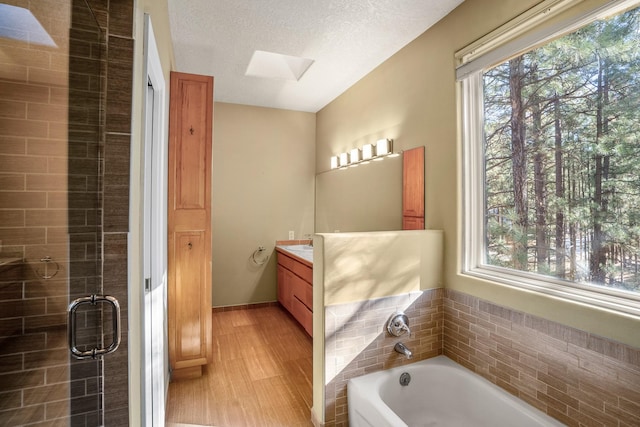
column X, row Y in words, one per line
column 276, row 66
column 18, row 23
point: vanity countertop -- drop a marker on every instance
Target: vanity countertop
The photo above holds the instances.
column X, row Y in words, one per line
column 303, row 253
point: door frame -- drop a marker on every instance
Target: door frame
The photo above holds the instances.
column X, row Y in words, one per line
column 154, row 373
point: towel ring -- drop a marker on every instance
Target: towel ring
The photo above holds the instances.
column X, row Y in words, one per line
column 255, row 257
column 47, row 261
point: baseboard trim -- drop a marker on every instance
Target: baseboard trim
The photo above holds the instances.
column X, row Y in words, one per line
column 315, row 421
column 245, row 306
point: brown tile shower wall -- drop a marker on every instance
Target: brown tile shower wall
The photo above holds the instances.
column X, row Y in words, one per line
column 85, row 142
column 48, row 208
column 577, row 378
column 49, row 114
column 357, row 343
column 116, row 17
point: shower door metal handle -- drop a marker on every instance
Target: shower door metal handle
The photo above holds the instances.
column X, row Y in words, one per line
column 93, row 300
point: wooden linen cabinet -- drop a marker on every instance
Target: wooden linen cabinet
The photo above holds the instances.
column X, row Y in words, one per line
column 189, row 223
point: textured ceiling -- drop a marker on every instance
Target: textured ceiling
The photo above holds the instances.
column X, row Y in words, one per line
column 345, row 38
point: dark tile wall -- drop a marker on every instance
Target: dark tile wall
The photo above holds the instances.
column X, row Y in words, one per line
column 116, row 16
column 49, row 217
column 65, row 117
column 87, row 50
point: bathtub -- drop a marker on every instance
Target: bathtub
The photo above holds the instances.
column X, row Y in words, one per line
column 440, row 393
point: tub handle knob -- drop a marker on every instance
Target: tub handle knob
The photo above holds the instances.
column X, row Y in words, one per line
column 398, row 324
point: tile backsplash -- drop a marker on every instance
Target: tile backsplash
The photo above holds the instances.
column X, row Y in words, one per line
column 576, row 377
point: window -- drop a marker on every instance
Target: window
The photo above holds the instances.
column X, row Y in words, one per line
column 551, row 132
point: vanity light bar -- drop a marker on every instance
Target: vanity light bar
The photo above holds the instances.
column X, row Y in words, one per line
column 344, row 159
column 368, row 151
column 335, row 162
column 355, row 156
column 382, row 148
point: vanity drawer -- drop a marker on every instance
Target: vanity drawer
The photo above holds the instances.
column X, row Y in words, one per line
column 303, row 292
column 303, row 315
column 303, row 271
column 308, row 296
column 286, row 261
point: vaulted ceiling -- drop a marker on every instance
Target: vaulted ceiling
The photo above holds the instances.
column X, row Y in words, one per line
column 344, row 39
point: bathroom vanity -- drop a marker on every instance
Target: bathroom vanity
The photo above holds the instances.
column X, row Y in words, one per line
column 295, row 282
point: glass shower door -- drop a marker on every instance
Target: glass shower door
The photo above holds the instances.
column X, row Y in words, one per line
column 51, row 139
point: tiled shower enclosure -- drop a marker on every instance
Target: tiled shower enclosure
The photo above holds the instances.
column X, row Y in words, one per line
column 65, row 96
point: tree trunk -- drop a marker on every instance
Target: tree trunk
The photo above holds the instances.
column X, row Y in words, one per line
column 542, row 247
column 518, row 162
column 560, row 240
column 598, row 258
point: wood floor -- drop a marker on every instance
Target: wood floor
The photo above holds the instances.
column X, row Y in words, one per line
column 260, row 376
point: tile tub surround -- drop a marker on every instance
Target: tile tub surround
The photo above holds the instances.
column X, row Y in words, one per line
column 575, row 377
column 357, row 343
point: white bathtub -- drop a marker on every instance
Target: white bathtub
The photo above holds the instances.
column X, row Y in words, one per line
column 441, row 393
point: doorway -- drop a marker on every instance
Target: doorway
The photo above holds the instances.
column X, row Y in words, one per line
column 155, row 363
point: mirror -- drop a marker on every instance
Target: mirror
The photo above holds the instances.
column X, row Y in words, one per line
column 367, row 197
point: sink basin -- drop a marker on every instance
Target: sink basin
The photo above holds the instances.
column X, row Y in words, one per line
column 297, row 247
column 303, row 251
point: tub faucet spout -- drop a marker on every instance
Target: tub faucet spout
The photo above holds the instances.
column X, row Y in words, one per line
column 402, row 349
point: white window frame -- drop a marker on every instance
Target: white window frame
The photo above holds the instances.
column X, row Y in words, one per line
column 534, row 27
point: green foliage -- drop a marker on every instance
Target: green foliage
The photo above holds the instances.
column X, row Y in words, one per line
column 581, row 112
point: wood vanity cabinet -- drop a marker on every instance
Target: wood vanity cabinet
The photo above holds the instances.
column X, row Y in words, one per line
column 189, row 224
column 295, row 289
column 413, row 189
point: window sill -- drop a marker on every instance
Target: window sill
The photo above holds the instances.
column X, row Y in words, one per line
column 613, row 300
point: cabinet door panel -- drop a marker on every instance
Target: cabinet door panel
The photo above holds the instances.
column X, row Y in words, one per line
column 412, row 223
column 413, row 182
column 190, row 154
column 280, row 284
column 285, row 287
column 190, row 333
